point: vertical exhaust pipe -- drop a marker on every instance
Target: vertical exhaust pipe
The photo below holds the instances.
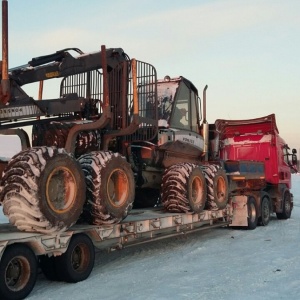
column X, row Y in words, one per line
column 5, row 85
column 205, row 125
column 204, row 104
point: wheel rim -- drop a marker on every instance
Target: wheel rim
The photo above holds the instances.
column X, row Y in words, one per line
column 80, row 257
column 117, row 187
column 17, row 273
column 197, row 190
column 252, row 213
column 61, row 190
column 221, row 189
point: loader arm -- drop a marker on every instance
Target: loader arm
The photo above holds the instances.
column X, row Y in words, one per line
column 62, row 64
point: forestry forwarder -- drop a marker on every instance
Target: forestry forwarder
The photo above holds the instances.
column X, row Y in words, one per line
column 116, row 136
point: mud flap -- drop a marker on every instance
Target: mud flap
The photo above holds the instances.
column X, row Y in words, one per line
column 239, row 211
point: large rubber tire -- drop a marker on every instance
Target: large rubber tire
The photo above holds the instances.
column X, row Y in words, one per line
column 252, row 213
column 43, row 190
column 217, row 186
column 264, row 219
column 183, row 188
column 77, row 263
column 18, row 272
column 287, row 207
column 110, row 187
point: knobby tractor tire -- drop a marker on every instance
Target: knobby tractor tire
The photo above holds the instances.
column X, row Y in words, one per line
column 287, row 207
column 18, row 272
column 217, row 186
column 110, row 187
column 183, row 188
column 43, row 190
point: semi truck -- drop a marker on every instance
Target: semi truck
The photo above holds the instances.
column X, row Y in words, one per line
column 120, row 157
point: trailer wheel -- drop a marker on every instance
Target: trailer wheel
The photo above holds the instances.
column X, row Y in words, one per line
column 77, row 263
column 252, row 213
column 110, row 187
column 43, row 190
column 287, row 207
column 18, row 272
column 183, row 188
column 217, row 186
column 265, row 212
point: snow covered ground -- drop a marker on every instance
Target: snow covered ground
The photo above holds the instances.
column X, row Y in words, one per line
column 222, row 263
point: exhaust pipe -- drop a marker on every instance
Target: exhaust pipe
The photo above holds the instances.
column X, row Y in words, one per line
column 204, row 104
column 5, row 85
column 205, row 129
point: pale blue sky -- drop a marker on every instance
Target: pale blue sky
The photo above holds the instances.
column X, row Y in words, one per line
column 246, row 51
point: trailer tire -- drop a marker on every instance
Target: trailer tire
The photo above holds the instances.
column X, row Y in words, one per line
column 183, row 188
column 265, row 212
column 110, row 187
column 18, row 272
column 252, row 213
column 287, row 207
column 217, row 186
column 43, row 190
column 77, row 263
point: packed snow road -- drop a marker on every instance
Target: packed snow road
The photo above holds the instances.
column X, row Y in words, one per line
column 222, row 263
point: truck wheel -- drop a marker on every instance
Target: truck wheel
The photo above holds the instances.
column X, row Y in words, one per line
column 18, row 272
column 110, row 187
column 43, row 190
column 265, row 212
column 287, row 207
column 252, row 213
column 77, row 263
column 217, row 186
column 183, row 188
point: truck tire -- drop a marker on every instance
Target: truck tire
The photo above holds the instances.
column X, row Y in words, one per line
column 18, row 272
column 110, row 187
column 265, row 212
column 183, row 188
column 43, row 190
column 217, row 186
column 77, row 263
column 252, row 213
column 287, row 207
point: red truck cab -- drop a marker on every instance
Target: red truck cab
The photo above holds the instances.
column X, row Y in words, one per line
column 257, row 140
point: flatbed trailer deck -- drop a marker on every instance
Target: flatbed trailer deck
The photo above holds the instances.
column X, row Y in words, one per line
column 57, row 254
column 142, row 225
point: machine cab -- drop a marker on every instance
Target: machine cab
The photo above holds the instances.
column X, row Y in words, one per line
column 179, row 111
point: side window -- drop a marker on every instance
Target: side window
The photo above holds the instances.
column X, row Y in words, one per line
column 180, row 116
column 194, row 112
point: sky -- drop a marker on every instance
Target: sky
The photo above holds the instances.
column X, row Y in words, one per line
column 247, row 52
